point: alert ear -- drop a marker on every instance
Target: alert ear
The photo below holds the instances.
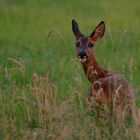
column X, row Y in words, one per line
column 98, row 32
column 75, row 29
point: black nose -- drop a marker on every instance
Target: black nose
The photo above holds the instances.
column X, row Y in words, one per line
column 82, row 54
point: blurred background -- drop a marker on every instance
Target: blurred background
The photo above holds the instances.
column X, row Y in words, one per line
column 36, row 38
column 38, row 32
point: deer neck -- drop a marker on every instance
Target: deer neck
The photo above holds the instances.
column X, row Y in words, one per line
column 93, row 70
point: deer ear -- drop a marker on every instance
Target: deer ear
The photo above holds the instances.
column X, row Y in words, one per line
column 98, row 32
column 76, row 30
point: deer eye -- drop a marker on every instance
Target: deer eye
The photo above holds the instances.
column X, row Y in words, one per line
column 77, row 44
column 90, row 45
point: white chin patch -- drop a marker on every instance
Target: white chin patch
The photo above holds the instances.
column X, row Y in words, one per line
column 83, row 60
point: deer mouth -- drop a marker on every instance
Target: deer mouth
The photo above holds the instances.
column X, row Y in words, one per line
column 83, row 59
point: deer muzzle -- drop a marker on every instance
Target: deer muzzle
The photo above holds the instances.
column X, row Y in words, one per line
column 82, row 56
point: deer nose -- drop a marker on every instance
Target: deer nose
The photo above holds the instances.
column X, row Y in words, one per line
column 82, row 54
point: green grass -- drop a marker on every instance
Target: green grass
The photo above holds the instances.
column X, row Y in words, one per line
column 37, row 51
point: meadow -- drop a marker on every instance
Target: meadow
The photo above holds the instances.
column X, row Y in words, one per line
column 43, row 87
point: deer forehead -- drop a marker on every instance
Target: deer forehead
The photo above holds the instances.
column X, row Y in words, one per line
column 84, row 40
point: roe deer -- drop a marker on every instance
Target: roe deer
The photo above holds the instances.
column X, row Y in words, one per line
column 105, row 86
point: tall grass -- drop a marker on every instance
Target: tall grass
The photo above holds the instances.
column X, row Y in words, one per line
column 41, row 115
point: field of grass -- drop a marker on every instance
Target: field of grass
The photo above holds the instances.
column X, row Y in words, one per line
column 42, row 85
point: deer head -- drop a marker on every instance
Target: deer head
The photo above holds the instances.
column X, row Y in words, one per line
column 85, row 44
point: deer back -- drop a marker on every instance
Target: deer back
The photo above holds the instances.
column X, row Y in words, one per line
column 112, row 87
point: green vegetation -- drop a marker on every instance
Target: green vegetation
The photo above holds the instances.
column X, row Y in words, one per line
column 42, row 85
